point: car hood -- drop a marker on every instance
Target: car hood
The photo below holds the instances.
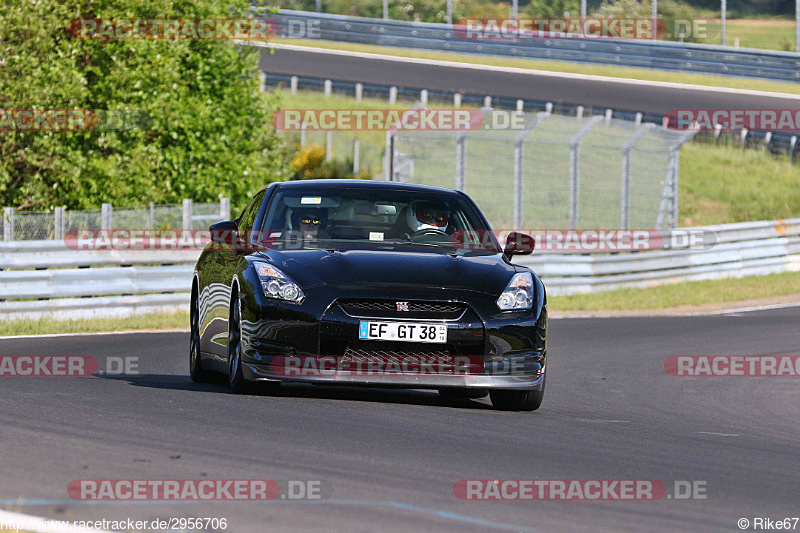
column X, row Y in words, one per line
column 393, row 270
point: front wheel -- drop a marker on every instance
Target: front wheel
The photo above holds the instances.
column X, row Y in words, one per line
column 196, row 371
column 512, row 400
column 236, row 379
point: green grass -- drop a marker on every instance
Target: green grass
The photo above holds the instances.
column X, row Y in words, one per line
column 724, row 183
column 719, row 184
column 561, row 66
column 49, row 326
column 769, row 34
column 689, row 293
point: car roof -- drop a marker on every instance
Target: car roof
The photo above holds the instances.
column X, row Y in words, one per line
column 362, row 184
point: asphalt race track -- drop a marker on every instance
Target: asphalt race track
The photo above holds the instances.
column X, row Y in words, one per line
column 392, row 457
column 594, row 92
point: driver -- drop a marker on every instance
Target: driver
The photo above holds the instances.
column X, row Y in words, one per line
column 310, row 223
column 422, row 216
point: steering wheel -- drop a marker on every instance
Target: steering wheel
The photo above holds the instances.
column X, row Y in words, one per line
column 429, row 231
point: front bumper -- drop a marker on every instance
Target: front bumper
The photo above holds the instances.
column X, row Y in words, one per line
column 517, row 379
column 508, row 348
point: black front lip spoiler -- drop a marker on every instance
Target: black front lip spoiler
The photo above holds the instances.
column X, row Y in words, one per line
column 492, row 378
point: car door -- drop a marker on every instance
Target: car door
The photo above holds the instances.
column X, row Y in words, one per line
column 220, row 267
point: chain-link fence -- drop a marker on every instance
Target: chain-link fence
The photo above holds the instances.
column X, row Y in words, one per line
column 51, row 225
column 555, row 172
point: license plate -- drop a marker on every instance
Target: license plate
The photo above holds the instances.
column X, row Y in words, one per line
column 402, row 331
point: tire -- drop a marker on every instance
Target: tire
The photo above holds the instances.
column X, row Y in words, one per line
column 511, row 400
column 236, row 380
column 462, row 393
column 196, row 371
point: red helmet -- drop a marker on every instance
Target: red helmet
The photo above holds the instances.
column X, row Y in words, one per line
column 427, row 215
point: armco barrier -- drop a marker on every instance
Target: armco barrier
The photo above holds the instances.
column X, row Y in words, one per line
column 662, row 55
column 47, row 279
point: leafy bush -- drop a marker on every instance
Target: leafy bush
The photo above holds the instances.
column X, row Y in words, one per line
column 309, row 163
column 210, row 131
column 434, row 10
column 668, row 10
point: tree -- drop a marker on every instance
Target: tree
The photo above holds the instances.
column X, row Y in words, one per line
column 209, row 131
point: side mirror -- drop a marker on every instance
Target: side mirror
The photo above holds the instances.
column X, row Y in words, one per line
column 225, row 233
column 519, row 244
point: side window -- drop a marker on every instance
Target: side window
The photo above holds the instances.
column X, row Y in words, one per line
column 249, row 214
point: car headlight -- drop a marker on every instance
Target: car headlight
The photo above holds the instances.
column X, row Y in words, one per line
column 278, row 285
column 518, row 294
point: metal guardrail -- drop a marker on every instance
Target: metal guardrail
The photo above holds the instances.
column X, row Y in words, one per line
column 742, row 249
column 40, row 278
column 661, row 55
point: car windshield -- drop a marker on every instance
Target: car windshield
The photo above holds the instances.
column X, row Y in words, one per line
column 375, row 218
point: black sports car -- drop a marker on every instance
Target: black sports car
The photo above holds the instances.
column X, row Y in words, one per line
column 381, row 284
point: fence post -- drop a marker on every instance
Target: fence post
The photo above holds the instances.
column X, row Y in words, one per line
column 574, row 158
column 328, row 85
column 520, row 106
column 673, row 158
column 8, row 226
column 187, row 215
column 106, row 214
column 518, row 171
column 387, row 158
column 461, row 163
column 457, row 100
column 328, row 145
column 392, row 95
column 225, row 208
column 58, row 226
column 293, row 84
column 423, row 97
column 487, row 101
column 151, row 217
column 303, row 135
column 625, row 207
column 574, row 167
column 359, row 91
column 355, row 156
column 262, row 77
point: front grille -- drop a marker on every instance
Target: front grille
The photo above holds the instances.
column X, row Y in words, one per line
column 396, row 349
column 417, row 309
